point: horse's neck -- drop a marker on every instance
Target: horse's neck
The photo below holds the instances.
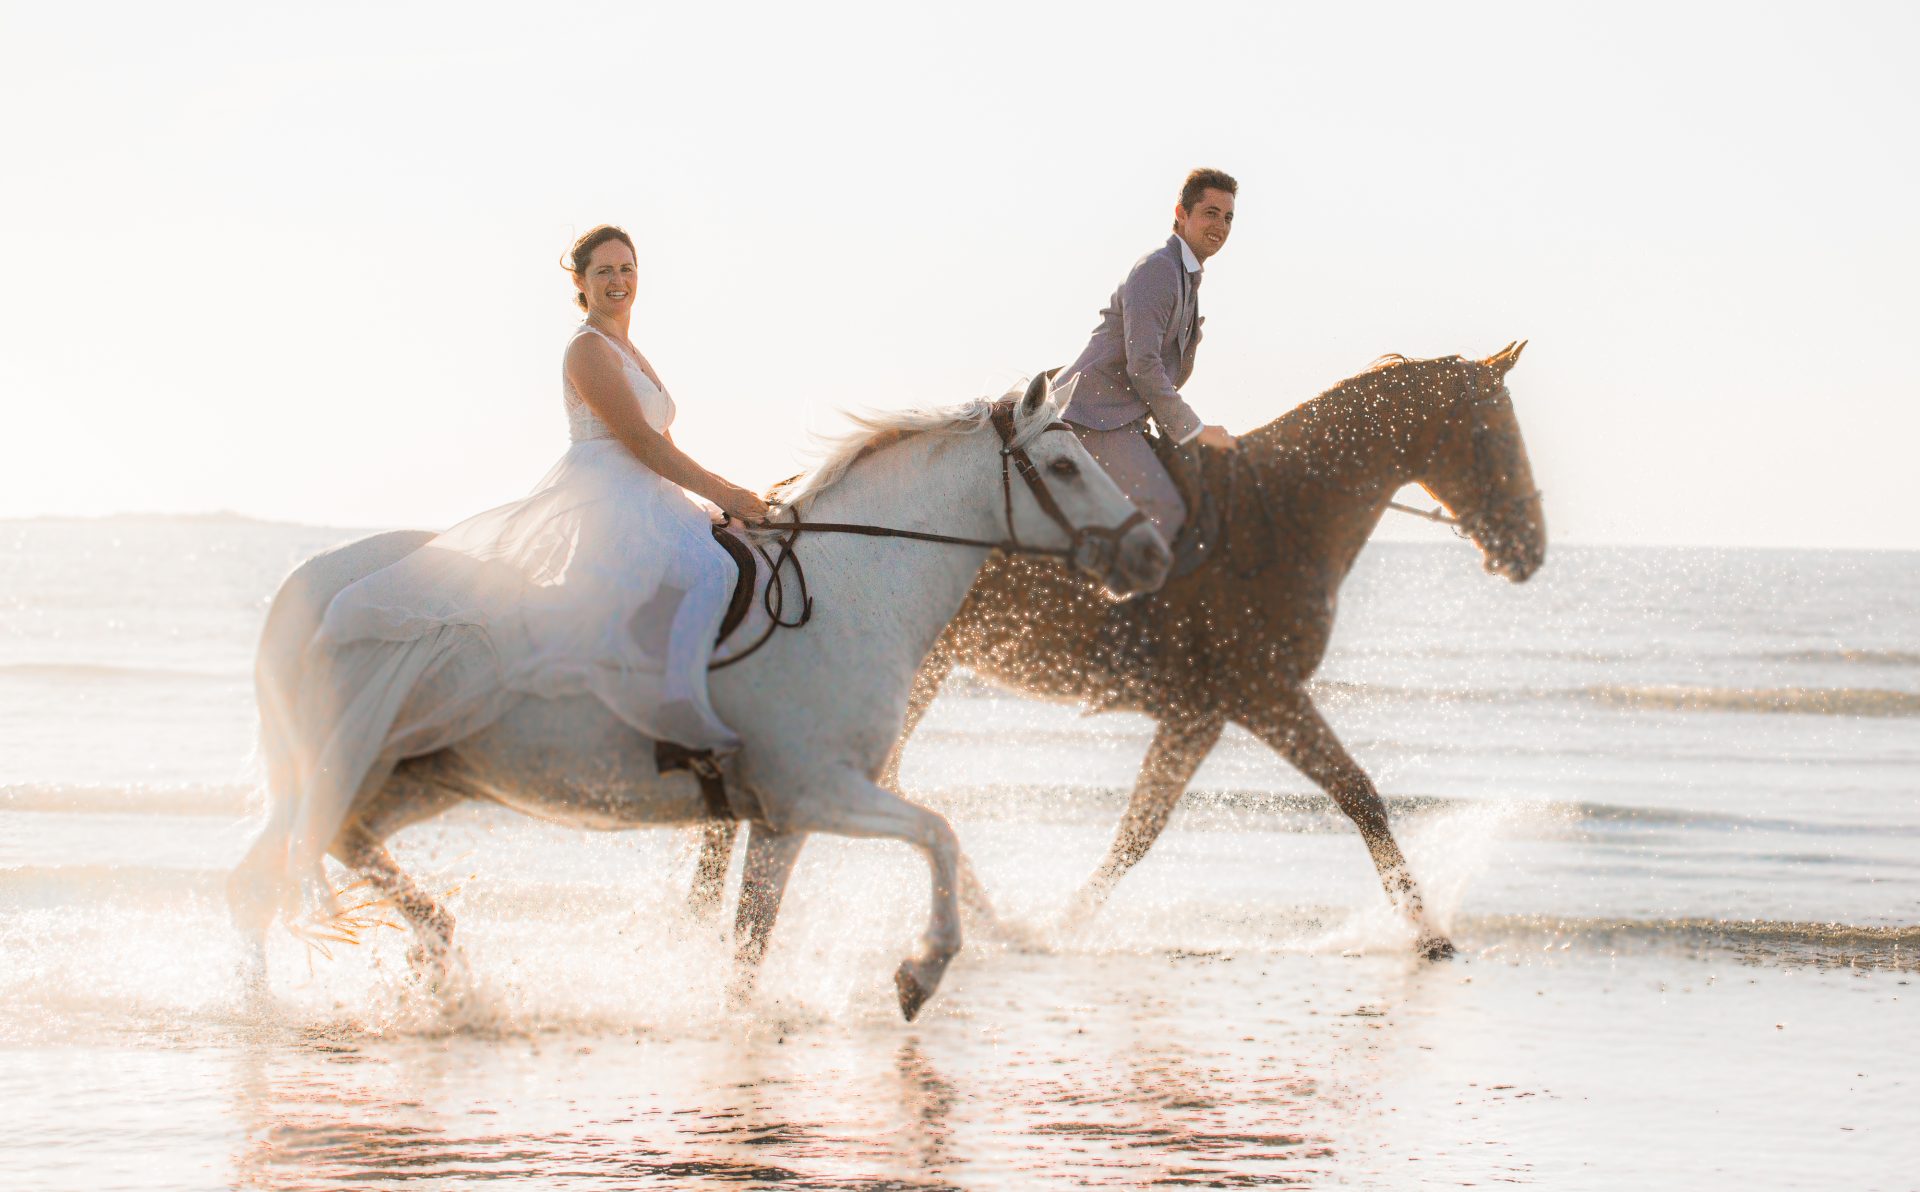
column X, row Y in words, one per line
column 930, row 482
column 1339, row 459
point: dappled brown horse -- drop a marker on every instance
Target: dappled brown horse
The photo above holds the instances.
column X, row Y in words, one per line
column 1238, row 639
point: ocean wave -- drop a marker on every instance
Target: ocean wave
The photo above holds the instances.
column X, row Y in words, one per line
column 1668, row 697
column 1671, row 697
column 230, row 799
column 1313, row 813
column 80, row 889
column 1779, row 941
column 1204, row 808
column 1819, row 701
column 1847, row 657
column 68, row 886
column 98, row 671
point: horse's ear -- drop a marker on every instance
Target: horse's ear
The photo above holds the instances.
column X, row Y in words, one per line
column 1036, row 394
column 1503, row 361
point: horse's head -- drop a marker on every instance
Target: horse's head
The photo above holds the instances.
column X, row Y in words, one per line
column 1068, row 501
column 1476, row 465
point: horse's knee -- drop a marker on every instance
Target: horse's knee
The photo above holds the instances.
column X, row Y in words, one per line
column 941, row 840
column 1356, row 796
column 1139, row 828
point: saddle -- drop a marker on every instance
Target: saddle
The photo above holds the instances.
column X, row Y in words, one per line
column 1205, row 524
column 701, row 763
column 1203, row 530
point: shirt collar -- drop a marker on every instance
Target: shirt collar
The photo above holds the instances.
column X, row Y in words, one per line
column 1186, row 253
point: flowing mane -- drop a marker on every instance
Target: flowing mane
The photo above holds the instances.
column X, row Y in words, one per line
column 1291, row 431
column 875, row 430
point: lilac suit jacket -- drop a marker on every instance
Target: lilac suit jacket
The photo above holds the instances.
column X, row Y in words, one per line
column 1142, row 351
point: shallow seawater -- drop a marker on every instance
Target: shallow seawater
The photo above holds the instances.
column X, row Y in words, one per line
column 1667, row 803
column 593, row 1048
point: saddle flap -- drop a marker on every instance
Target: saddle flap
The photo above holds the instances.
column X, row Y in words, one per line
column 743, row 584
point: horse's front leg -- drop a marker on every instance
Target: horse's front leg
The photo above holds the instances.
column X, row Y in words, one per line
column 846, row 803
column 1294, row 728
column 710, row 868
column 1179, row 746
column 763, row 884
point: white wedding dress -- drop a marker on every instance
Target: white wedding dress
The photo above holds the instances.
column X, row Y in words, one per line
column 604, row 580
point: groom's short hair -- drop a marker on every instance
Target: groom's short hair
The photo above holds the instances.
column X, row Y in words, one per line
column 1203, row 180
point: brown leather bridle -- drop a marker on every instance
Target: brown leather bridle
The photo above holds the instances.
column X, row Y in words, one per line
column 1093, row 548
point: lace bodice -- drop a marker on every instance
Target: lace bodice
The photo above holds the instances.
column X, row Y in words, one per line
column 583, row 424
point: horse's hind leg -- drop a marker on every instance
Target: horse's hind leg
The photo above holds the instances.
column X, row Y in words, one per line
column 1296, row 730
column 763, row 885
column 431, row 956
column 417, row 791
column 1179, row 746
column 710, row 868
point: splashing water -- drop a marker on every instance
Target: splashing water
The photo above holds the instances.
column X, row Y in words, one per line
column 1646, row 892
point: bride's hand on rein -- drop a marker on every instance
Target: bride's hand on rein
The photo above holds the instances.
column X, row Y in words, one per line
column 741, row 503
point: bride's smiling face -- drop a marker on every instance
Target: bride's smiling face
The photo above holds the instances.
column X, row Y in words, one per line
column 611, row 276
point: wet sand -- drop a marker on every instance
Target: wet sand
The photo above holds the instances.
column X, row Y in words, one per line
column 593, row 1047
column 1664, row 800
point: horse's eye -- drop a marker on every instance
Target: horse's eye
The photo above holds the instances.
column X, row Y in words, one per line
column 1064, row 467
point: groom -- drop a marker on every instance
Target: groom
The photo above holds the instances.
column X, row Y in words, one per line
column 1142, row 352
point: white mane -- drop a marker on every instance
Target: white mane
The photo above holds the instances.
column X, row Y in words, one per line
column 876, row 429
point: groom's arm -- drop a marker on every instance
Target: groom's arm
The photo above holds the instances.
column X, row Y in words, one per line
column 1149, row 301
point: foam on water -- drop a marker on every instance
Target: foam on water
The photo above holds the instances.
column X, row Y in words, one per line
column 1664, row 801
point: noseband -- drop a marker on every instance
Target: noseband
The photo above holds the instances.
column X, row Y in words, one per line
column 1094, row 547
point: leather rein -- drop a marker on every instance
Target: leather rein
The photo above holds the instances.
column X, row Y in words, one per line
column 1102, row 541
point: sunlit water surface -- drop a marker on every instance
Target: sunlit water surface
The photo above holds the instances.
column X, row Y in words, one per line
column 1667, row 803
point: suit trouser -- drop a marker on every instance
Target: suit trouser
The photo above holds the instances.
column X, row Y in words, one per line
column 1130, row 459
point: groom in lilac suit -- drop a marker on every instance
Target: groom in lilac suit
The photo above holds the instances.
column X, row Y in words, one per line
column 1142, row 352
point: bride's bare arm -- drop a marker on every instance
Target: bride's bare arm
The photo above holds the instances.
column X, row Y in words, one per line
column 594, row 367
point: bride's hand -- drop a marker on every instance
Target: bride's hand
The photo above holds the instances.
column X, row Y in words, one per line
column 741, row 503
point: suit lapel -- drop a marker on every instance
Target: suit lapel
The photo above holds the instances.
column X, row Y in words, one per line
column 1189, row 308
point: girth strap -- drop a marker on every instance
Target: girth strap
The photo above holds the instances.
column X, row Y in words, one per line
column 668, row 757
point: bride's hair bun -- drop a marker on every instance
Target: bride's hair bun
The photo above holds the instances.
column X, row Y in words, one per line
column 575, row 262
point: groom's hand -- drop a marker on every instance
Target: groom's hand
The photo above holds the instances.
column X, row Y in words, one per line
column 1217, row 438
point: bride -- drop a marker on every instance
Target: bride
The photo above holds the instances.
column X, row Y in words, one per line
column 604, row 580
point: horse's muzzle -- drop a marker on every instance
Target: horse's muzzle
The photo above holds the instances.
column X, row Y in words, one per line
column 1131, row 564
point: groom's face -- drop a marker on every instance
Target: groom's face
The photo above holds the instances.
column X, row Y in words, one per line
column 1205, row 227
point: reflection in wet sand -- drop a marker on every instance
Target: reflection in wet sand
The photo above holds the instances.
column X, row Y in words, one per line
column 1142, row 1077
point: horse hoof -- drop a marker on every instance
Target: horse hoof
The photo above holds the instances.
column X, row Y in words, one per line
column 703, row 904
column 1437, row 947
column 1019, row 937
column 252, row 970
column 740, row 989
column 439, row 972
column 1080, row 913
column 912, row 995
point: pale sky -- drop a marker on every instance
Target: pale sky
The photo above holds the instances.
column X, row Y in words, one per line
column 300, row 262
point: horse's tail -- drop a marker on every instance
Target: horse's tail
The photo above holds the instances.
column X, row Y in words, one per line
column 267, row 881
column 259, row 886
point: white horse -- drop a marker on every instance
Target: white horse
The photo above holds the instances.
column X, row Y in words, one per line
column 817, row 709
